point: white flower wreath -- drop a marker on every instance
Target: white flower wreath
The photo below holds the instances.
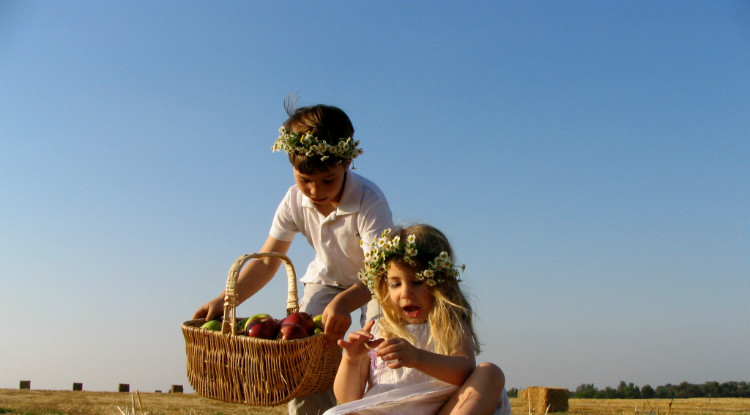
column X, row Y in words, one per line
column 308, row 145
column 386, row 248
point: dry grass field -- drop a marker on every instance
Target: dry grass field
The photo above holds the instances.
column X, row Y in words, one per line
column 39, row 402
column 694, row 406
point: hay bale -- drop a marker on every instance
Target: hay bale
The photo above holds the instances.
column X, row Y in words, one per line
column 124, row 387
column 536, row 399
column 78, row 386
column 25, row 384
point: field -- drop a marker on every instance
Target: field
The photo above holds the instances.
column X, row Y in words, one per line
column 39, row 402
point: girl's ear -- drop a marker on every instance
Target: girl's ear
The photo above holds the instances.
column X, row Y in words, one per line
column 346, row 166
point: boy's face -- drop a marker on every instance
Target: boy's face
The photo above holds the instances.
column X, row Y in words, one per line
column 324, row 188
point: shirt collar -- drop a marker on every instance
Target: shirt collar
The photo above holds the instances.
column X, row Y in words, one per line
column 351, row 195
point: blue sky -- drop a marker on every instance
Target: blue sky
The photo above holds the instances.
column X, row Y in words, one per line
column 589, row 161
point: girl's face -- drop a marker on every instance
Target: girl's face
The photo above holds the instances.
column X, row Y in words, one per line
column 324, row 188
column 409, row 297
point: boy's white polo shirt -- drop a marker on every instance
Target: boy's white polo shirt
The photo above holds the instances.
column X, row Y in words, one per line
column 363, row 213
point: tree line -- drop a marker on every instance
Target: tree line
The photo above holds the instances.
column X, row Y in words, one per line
column 683, row 390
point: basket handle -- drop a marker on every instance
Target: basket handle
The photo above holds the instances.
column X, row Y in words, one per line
column 230, row 295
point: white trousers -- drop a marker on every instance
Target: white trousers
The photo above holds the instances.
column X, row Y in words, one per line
column 314, row 300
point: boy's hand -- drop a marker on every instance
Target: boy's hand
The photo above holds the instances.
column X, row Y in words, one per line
column 398, row 353
column 336, row 322
column 211, row 309
column 359, row 342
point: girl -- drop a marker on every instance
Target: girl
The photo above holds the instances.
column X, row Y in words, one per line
column 414, row 357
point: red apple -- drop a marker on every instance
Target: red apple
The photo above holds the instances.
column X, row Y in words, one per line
column 265, row 328
column 291, row 331
column 254, row 319
column 302, row 319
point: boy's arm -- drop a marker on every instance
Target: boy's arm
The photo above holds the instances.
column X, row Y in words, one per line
column 254, row 276
column 337, row 314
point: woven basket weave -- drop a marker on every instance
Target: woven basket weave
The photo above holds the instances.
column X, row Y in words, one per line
column 240, row 369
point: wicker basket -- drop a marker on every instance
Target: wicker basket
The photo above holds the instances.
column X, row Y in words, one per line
column 240, row 369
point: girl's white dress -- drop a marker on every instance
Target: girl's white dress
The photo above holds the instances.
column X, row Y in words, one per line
column 405, row 390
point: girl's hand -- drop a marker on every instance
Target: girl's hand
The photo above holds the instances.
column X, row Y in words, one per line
column 398, row 353
column 359, row 342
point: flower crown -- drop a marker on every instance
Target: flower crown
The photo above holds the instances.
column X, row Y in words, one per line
column 309, row 145
column 386, row 248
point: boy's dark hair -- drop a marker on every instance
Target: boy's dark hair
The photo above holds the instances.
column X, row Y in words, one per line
column 325, row 122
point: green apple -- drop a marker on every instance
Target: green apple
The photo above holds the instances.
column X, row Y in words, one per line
column 318, row 320
column 212, row 325
column 241, row 325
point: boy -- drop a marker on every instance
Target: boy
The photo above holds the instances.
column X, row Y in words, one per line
column 339, row 212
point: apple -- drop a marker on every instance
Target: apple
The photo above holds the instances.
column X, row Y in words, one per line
column 318, row 320
column 241, row 325
column 212, row 325
column 259, row 316
column 291, row 331
column 250, row 321
column 265, row 328
column 302, row 319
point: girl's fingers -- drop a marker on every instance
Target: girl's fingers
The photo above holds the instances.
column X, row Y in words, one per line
column 387, row 347
column 363, row 335
column 393, row 360
column 368, row 326
column 359, row 337
column 372, row 344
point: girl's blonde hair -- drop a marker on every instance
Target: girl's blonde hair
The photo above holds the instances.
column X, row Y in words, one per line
column 451, row 319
